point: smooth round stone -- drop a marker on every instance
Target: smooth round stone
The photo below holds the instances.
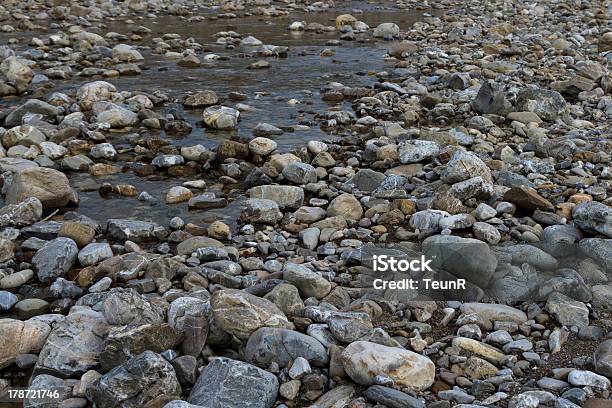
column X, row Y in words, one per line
column 7, row 300
column 16, row 279
column 178, row 194
column 31, row 307
column 262, row 146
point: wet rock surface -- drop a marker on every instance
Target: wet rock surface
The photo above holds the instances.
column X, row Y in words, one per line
column 193, row 193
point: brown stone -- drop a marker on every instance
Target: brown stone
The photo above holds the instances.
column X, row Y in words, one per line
column 565, row 210
column 580, row 198
column 527, row 198
column 598, row 403
column 102, row 169
column 406, row 206
column 80, row 233
column 229, row 149
column 86, row 276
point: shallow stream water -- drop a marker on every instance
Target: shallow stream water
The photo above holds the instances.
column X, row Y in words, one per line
column 299, row 76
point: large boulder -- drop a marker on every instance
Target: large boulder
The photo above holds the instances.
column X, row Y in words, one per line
column 240, row 313
column 466, row 258
column 599, row 249
column 495, row 312
column 192, row 244
column 386, row 30
column 126, row 306
column 282, row 346
column 414, row 151
column 201, row 99
column 463, row 166
column 567, row 311
column 55, row 258
column 126, row 342
column 7, row 249
column 135, row 383
column 62, row 390
column 24, row 135
column 188, row 315
column 300, row 173
column 50, row 186
column 31, row 106
column 363, row 361
column 21, row 337
column 227, row 383
column 261, row 211
column 602, row 358
column 74, row 345
column 490, row 99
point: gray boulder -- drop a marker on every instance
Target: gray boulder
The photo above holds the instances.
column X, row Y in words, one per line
column 126, row 306
column 548, row 105
column 55, row 259
column 414, row 151
column 490, row 99
column 221, row 117
column 466, row 258
column 392, row 398
column 599, row 249
column 74, row 345
column 45, row 382
column 261, row 211
column 18, row 73
column 285, row 196
column 567, row 311
column 136, row 231
column 227, row 383
column 282, row 346
column 126, row 342
column 117, row 117
column 602, row 358
column 593, row 217
column 308, row 282
column 300, row 173
column 189, row 315
column 31, row 106
column 463, row 166
column 135, row 383
column 22, row 214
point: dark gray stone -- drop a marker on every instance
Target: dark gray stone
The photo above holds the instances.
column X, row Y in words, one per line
column 392, row 398
column 134, row 383
column 282, row 346
column 55, row 259
column 227, row 383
